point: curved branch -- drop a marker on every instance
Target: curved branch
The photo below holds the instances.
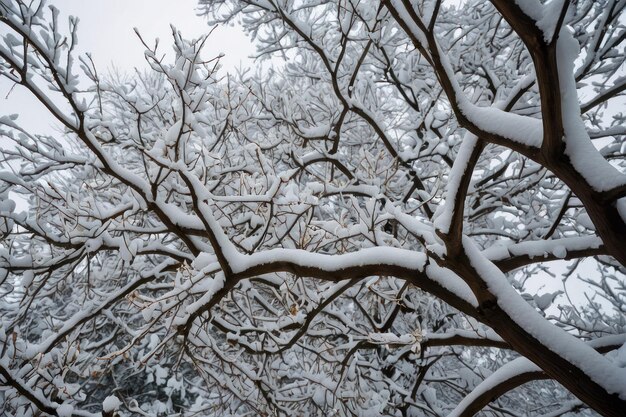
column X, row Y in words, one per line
column 515, row 373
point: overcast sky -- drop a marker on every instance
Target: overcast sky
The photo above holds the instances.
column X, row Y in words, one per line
column 106, row 30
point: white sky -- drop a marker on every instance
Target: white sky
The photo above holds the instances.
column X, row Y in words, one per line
column 106, row 30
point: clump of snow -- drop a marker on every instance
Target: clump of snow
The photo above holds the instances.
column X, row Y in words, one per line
column 559, row 251
column 584, row 220
column 110, row 404
column 27, row 278
column 65, row 410
column 203, row 260
column 545, row 300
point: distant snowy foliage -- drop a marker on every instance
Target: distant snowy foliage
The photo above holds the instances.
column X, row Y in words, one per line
column 357, row 229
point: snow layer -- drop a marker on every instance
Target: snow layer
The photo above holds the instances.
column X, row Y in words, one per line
column 600, row 174
column 520, row 366
column 459, row 170
column 368, row 256
column 599, row 369
column 540, row 248
column 515, row 367
column 546, row 16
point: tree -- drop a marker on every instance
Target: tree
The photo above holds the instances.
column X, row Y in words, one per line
column 349, row 231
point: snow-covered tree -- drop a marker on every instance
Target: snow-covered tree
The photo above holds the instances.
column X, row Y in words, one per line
column 362, row 226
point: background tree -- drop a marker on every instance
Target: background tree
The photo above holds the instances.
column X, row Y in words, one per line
column 349, row 231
